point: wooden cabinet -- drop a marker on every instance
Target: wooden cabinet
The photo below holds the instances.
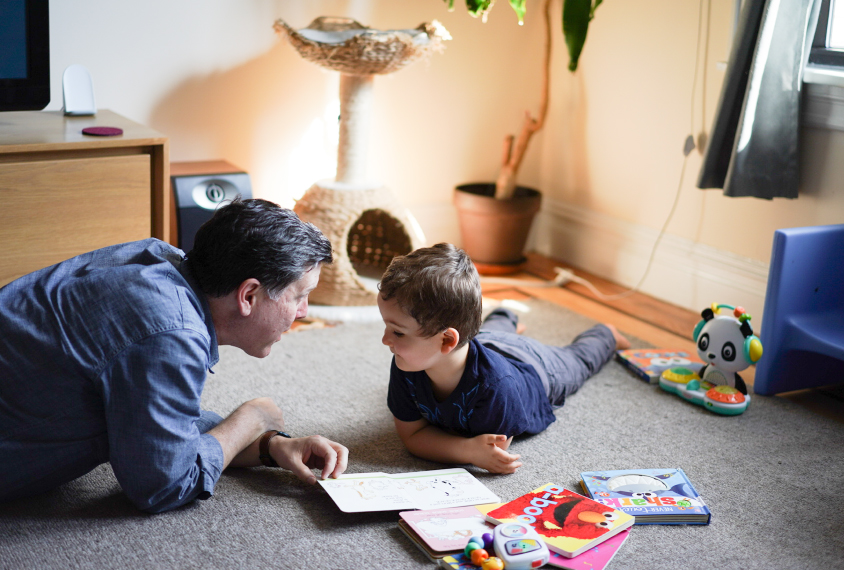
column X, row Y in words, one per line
column 63, row 193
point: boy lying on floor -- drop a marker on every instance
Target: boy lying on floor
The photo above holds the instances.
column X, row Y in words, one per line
column 461, row 389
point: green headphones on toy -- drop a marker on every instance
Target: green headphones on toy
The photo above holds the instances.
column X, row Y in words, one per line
column 752, row 344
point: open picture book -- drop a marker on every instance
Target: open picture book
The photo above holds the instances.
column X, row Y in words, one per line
column 437, row 489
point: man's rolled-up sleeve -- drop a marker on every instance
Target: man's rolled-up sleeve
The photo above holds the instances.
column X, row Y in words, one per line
column 151, row 394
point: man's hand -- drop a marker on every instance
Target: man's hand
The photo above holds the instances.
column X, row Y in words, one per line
column 302, row 454
column 489, row 452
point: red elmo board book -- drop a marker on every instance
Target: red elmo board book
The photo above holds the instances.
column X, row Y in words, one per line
column 567, row 522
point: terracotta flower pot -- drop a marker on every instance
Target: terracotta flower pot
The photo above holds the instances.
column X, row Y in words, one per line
column 494, row 232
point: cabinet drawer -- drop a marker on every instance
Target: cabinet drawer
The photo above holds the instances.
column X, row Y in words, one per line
column 55, row 209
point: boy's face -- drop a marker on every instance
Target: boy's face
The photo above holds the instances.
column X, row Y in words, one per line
column 413, row 352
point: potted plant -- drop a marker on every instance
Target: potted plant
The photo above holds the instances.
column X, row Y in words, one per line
column 495, row 218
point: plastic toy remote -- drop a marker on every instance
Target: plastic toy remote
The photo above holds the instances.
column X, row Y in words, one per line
column 519, row 546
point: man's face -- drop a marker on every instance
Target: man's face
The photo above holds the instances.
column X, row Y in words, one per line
column 272, row 318
column 413, row 351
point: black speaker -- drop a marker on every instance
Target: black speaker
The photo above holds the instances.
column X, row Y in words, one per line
column 197, row 194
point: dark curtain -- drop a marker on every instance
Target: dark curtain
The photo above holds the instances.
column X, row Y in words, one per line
column 753, row 148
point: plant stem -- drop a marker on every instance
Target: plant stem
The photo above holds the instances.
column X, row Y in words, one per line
column 505, row 186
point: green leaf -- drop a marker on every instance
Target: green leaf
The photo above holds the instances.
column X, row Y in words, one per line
column 478, row 7
column 451, row 4
column 520, row 8
column 576, row 16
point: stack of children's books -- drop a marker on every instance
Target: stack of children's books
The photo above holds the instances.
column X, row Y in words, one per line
column 579, row 532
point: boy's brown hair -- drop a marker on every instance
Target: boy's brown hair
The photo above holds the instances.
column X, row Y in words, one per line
column 439, row 287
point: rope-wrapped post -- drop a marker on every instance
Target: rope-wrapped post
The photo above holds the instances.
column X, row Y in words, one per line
column 355, row 110
column 363, row 220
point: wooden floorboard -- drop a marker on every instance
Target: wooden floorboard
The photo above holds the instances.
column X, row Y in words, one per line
column 658, row 313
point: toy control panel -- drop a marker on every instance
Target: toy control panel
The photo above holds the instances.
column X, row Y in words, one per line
column 721, row 399
column 519, row 547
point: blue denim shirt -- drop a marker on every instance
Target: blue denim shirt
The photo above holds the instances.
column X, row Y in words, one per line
column 103, row 357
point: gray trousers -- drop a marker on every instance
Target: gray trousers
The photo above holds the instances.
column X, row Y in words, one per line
column 563, row 369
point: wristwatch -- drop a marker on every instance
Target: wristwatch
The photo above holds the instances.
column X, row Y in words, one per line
column 264, row 447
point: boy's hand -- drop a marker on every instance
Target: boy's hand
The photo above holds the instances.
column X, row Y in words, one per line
column 490, row 453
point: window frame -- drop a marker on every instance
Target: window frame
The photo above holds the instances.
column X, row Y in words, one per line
column 820, row 54
column 823, row 79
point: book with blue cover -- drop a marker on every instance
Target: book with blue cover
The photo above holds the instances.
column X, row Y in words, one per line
column 652, row 496
column 649, row 363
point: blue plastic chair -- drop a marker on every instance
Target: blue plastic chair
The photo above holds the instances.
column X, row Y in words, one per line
column 803, row 323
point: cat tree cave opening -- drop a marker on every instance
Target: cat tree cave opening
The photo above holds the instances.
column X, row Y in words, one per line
column 374, row 239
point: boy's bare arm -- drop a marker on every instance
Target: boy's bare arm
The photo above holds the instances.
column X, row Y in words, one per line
column 487, row 451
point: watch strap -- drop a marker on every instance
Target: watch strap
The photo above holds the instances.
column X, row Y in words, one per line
column 264, row 447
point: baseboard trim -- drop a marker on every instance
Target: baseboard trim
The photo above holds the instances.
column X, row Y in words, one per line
column 683, row 273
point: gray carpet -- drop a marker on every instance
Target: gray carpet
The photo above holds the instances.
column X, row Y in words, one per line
column 772, row 476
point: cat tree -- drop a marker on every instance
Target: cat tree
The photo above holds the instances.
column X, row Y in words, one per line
column 365, row 223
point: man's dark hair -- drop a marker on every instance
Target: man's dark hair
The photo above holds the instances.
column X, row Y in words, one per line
column 257, row 239
column 439, row 287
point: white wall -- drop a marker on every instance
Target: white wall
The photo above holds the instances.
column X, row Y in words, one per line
column 612, row 161
column 216, row 78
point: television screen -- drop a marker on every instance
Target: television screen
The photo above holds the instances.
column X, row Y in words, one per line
column 25, row 56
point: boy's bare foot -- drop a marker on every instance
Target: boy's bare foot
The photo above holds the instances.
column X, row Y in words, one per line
column 520, row 328
column 621, row 342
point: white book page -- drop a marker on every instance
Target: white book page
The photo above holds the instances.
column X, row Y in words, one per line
column 364, row 492
column 436, row 489
column 444, row 488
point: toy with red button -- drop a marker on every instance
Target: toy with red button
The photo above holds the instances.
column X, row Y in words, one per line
column 727, row 344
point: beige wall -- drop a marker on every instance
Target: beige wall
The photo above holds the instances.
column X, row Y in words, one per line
column 614, row 144
column 214, row 77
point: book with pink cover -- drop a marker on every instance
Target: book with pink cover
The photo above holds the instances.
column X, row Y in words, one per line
column 438, row 532
column 596, row 558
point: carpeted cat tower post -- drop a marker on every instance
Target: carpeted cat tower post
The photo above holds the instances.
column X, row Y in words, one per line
column 364, row 221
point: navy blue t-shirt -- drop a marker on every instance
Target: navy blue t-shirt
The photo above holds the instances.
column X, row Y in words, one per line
column 496, row 394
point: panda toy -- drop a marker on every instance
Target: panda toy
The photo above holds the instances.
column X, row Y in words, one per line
column 726, row 343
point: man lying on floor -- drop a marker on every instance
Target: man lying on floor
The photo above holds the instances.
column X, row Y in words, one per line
column 103, row 358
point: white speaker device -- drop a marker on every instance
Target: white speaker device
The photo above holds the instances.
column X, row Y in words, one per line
column 78, row 91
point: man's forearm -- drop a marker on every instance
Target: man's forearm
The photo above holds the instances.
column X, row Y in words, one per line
column 239, row 433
